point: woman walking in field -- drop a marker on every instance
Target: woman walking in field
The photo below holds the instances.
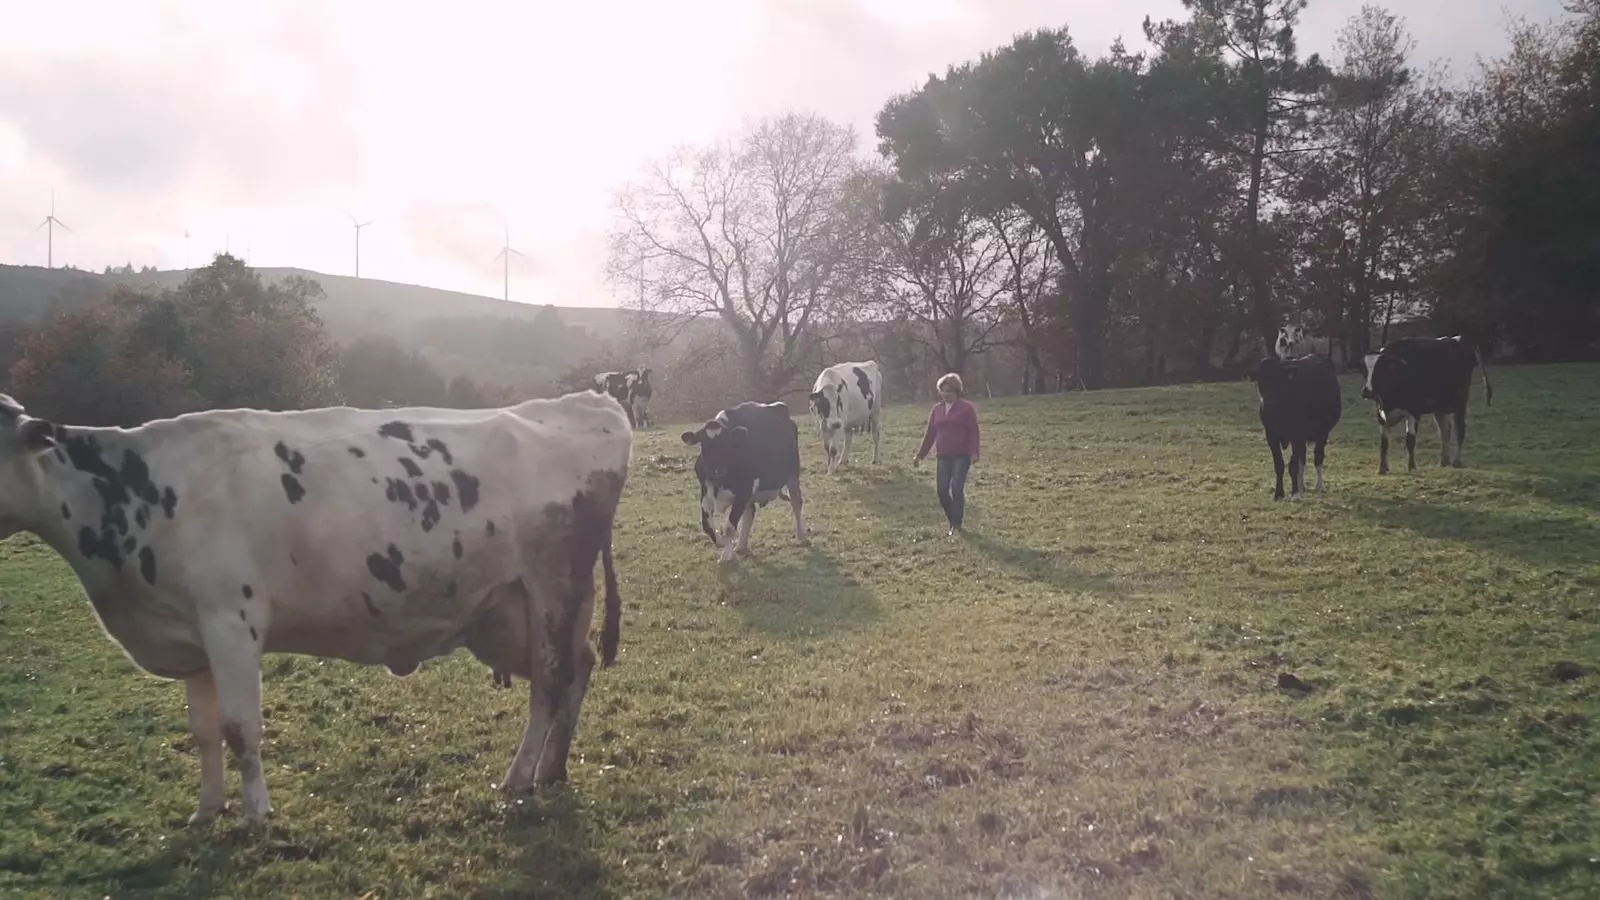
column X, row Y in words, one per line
column 953, row 429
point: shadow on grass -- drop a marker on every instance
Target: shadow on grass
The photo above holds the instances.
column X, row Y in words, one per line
column 1552, row 543
column 911, row 500
column 549, row 834
column 1560, row 486
column 1052, row 567
column 808, row 599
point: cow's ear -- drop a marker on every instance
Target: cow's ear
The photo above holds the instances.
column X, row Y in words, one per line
column 37, row 434
column 691, row 438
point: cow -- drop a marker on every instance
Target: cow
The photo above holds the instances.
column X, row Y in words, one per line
column 749, row 456
column 381, row 537
column 1300, row 402
column 1294, row 341
column 1409, row 378
column 639, row 394
column 847, row 398
column 630, row 388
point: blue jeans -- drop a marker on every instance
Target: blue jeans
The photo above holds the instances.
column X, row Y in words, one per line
column 953, row 486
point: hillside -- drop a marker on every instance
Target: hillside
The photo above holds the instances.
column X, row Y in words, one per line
column 460, row 333
column 1085, row 697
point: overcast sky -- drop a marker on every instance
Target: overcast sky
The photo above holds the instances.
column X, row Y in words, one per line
column 259, row 124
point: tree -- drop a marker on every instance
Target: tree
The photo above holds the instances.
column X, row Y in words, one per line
column 940, row 264
column 759, row 232
column 1035, row 128
column 377, row 370
column 1527, row 200
column 86, row 367
column 1365, row 202
column 1269, row 97
column 222, row 339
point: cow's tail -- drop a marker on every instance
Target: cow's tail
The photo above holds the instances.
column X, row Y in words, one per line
column 611, row 631
column 1488, row 389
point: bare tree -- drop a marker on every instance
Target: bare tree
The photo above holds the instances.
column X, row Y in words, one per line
column 759, row 233
column 943, row 265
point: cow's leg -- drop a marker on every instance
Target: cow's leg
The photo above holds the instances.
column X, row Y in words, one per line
column 1383, row 449
column 797, row 503
column 205, row 720
column 1460, row 416
column 849, row 441
column 235, row 659
column 747, row 525
column 741, row 508
column 552, row 767
column 542, row 699
column 569, row 638
column 1446, row 433
column 1277, row 466
column 1297, row 469
column 877, row 436
column 1411, row 444
column 1322, row 443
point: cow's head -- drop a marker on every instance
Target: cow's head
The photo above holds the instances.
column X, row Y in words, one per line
column 720, row 445
column 827, row 407
column 613, row 383
column 23, row 439
column 1384, row 373
column 1292, row 342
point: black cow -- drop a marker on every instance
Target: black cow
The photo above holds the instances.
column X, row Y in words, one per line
column 1300, row 402
column 1411, row 377
column 749, row 456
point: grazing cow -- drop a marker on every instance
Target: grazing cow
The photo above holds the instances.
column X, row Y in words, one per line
column 1300, row 402
column 847, row 398
column 1412, row 377
column 385, row 537
column 749, row 456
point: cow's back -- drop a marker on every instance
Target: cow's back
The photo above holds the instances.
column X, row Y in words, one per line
column 368, row 530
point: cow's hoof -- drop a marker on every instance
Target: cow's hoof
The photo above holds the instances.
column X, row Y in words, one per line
column 204, row 816
column 1458, row 465
column 1294, row 498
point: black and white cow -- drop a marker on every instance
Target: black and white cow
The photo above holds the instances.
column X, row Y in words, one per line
column 1412, row 377
column 381, row 537
column 1300, row 403
column 630, row 388
column 847, row 398
column 749, row 456
column 1295, row 341
column 639, row 394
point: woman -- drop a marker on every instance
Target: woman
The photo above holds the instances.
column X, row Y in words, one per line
column 953, row 429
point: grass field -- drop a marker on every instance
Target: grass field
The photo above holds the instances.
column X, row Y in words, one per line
column 1080, row 699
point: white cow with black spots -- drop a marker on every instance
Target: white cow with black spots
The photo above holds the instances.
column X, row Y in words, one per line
column 382, row 537
column 846, row 398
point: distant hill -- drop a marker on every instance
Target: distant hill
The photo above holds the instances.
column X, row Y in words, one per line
column 460, row 333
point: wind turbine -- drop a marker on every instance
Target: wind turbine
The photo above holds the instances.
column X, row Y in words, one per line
column 506, row 251
column 359, row 226
column 51, row 222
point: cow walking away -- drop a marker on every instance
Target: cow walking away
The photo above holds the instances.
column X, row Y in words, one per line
column 1412, row 377
column 847, row 398
column 1300, row 403
column 749, row 456
column 382, row 537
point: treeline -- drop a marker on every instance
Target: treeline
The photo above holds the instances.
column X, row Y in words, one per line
column 1057, row 219
column 221, row 339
